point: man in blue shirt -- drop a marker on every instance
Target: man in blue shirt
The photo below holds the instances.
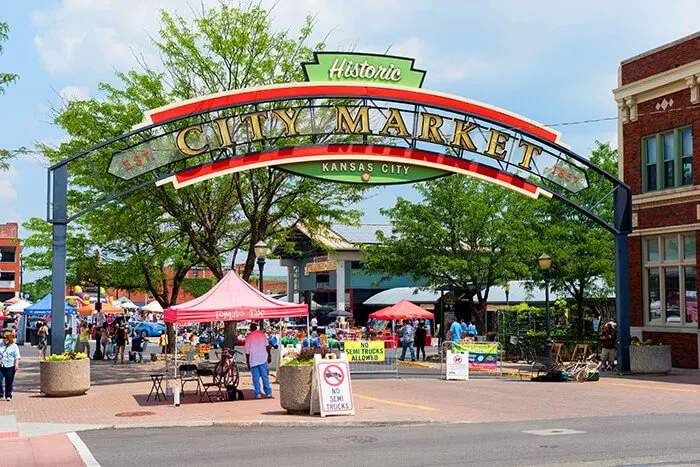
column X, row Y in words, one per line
column 471, row 331
column 455, row 330
column 464, row 326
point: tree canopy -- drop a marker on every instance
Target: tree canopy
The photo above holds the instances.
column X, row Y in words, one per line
column 210, row 223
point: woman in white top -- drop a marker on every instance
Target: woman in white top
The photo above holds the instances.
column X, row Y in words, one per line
column 9, row 363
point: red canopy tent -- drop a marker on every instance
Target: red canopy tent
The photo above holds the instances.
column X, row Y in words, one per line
column 233, row 299
column 402, row 310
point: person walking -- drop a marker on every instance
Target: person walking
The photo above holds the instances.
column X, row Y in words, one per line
column 419, row 340
column 471, row 331
column 455, row 332
column 43, row 334
column 85, row 338
column 105, row 340
column 122, row 339
column 257, row 356
column 407, row 334
column 608, row 338
column 9, row 364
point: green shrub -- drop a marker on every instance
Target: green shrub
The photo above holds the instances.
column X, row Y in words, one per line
column 306, row 356
column 645, row 343
column 66, row 356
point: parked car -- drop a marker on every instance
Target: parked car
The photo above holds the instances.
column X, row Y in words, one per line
column 146, row 329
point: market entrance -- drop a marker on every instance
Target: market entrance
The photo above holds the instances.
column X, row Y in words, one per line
column 359, row 119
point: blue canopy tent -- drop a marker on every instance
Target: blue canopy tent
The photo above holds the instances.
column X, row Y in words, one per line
column 40, row 311
column 43, row 307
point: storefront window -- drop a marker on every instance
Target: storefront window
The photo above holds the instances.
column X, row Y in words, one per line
column 672, row 294
column 671, row 284
column 654, row 294
column 670, row 249
column 689, row 247
column 653, row 250
column 691, row 296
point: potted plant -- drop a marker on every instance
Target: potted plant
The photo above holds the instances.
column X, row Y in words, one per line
column 67, row 374
column 294, row 378
column 650, row 357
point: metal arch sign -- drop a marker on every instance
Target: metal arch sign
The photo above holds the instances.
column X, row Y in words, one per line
column 361, row 118
column 352, row 133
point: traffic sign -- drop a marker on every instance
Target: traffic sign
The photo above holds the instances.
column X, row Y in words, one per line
column 332, row 381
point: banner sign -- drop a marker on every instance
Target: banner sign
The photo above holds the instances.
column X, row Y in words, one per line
column 367, row 68
column 321, row 266
column 332, row 391
column 482, row 355
column 365, row 351
column 457, row 365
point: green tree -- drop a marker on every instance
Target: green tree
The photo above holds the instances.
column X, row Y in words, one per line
column 222, row 49
column 582, row 252
column 5, row 80
column 465, row 235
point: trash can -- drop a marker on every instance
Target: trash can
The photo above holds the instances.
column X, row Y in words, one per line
column 34, row 337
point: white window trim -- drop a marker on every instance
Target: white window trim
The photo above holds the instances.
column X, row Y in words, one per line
column 661, row 264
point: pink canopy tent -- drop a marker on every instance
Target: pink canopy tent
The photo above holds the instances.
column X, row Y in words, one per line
column 402, row 310
column 233, row 299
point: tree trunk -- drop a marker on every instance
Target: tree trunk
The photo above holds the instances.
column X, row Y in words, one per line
column 579, row 315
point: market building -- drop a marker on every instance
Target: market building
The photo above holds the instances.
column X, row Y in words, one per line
column 323, row 257
column 10, row 271
column 658, row 98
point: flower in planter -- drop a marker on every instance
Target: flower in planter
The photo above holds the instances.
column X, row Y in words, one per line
column 66, row 356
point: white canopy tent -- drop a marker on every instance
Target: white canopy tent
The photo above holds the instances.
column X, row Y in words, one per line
column 18, row 307
column 153, row 307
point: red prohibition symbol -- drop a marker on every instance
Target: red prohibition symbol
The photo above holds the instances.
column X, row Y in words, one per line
column 334, row 375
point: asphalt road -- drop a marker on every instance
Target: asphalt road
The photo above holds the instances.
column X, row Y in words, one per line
column 630, row 440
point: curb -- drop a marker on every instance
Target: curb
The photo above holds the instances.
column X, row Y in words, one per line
column 414, row 364
column 278, row 424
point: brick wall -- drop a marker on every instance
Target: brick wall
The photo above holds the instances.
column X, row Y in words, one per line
column 684, row 347
column 650, row 122
column 660, row 61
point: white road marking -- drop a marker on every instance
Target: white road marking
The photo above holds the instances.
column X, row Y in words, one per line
column 554, row 432
column 82, row 449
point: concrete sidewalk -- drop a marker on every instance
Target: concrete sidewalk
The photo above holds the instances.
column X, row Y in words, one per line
column 117, row 399
column 119, row 392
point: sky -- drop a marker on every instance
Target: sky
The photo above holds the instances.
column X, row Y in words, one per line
column 551, row 61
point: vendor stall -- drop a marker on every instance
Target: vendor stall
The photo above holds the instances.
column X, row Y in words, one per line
column 41, row 311
column 402, row 310
column 88, row 310
column 231, row 299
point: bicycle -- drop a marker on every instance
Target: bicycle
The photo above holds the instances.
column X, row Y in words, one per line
column 226, row 372
column 583, row 370
column 523, row 351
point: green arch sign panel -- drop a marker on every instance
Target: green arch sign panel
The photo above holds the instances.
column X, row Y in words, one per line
column 364, row 172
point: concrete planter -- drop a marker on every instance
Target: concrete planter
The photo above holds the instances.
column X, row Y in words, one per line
column 295, row 387
column 65, row 378
column 650, row 359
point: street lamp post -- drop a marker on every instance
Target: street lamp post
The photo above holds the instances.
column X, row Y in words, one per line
column 261, row 253
column 545, row 265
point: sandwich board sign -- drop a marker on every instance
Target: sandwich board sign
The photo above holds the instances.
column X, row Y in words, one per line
column 331, row 391
column 457, row 365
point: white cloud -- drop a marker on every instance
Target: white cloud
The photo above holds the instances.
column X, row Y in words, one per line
column 74, row 93
column 8, row 178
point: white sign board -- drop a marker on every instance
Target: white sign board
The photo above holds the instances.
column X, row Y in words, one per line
column 457, row 365
column 332, row 381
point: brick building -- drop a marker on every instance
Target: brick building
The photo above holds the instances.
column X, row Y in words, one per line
column 658, row 98
column 10, row 273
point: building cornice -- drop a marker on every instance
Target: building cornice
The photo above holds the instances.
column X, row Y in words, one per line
column 677, row 79
column 666, row 198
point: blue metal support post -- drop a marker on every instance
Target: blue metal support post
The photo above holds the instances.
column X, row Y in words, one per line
column 59, row 219
column 623, row 224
